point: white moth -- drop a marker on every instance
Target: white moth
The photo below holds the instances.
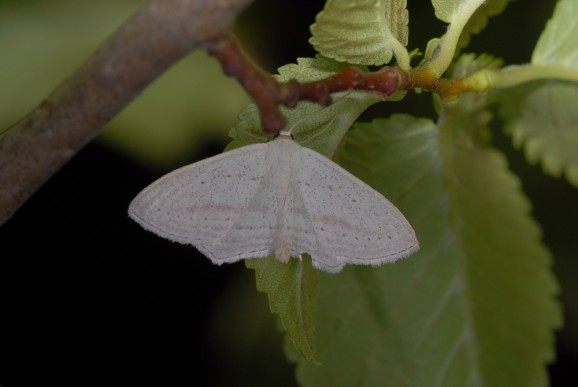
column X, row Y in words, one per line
column 275, row 197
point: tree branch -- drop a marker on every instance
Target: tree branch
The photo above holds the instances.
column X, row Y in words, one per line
column 159, row 34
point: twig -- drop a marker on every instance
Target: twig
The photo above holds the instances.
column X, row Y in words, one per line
column 155, row 37
column 269, row 94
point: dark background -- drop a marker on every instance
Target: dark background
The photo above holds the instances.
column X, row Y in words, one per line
column 89, row 298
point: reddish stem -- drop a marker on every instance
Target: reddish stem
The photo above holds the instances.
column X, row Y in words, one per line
column 269, row 94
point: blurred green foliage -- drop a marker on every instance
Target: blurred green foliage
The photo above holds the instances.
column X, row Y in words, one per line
column 42, row 42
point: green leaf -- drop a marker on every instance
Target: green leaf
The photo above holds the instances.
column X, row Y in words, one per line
column 466, row 17
column 542, row 119
column 475, row 307
column 451, row 10
column 558, row 44
column 364, row 32
column 541, row 116
column 291, row 291
column 291, row 288
column 457, row 13
column 448, row 11
column 479, row 19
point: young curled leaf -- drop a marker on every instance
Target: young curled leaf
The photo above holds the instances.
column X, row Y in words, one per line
column 364, row 32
